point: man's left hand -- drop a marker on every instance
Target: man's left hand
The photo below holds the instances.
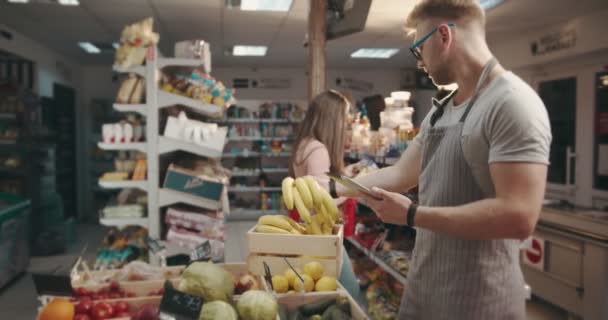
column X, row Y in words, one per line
column 392, row 208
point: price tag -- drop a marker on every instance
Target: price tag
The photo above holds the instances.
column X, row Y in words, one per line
column 53, row 284
column 202, row 252
column 179, row 305
column 154, row 245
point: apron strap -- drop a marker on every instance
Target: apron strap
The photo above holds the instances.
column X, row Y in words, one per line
column 484, row 75
column 440, row 105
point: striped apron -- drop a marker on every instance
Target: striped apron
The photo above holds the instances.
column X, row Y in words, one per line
column 451, row 278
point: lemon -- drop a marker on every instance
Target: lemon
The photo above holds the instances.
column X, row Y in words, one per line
column 326, row 284
column 280, row 284
column 309, row 284
column 291, row 276
column 314, row 269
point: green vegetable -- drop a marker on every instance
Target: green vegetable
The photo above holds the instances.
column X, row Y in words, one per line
column 317, row 307
column 257, row 305
column 335, row 313
column 204, row 279
column 217, row 310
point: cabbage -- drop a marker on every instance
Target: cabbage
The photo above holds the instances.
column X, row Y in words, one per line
column 217, row 310
column 204, row 279
column 257, row 305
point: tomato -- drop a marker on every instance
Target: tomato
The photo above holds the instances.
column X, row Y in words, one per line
column 121, row 306
column 102, row 311
column 130, row 295
column 81, row 292
column 114, row 295
column 82, row 317
column 123, row 314
column 84, row 306
column 114, row 286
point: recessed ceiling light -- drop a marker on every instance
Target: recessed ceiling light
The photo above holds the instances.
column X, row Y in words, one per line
column 68, row 2
column 89, row 47
column 19, row 1
column 266, row 5
column 258, row 51
column 489, row 4
column 374, row 53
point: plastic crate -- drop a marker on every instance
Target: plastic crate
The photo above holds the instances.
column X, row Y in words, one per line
column 14, row 243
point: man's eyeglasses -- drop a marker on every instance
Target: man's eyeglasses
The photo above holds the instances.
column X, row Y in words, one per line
column 415, row 47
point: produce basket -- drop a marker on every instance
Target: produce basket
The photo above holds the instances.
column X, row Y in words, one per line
column 14, row 227
column 298, row 249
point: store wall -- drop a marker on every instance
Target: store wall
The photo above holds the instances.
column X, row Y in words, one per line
column 369, row 81
column 51, row 67
column 583, row 60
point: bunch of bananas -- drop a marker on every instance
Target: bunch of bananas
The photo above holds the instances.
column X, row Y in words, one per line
column 305, row 195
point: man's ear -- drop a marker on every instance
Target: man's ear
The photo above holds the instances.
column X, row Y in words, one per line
column 446, row 34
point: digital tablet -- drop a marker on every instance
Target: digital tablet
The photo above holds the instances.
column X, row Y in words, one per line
column 351, row 184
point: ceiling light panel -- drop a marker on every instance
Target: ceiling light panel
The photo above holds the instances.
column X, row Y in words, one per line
column 374, row 53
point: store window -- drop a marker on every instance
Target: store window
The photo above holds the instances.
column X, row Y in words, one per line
column 559, row 96
column 600, row 168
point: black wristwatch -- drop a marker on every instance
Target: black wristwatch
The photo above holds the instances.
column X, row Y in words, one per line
column 332, row 189
column 411, row 214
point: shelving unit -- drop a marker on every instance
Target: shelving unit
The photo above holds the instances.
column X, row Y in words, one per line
column 376, row 259
column 139, row 146
column 136, row 108
column 123, row 184
column 157, row 145
column 253, row 155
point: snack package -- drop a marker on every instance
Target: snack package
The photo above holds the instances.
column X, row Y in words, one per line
column 134, row 43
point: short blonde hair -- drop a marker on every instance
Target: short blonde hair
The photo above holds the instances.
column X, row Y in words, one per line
column 444, row 9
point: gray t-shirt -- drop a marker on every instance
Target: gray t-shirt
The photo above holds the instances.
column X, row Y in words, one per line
column 508, row 123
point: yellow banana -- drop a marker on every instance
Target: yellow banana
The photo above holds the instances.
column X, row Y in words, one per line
column 330, row 205
column 287, row 188
column 275, row 221
column 294, row 224
column 270, row 229
column 327, row 229
column 304, row 192
column 299, row 204
column 314, row 187
column 315, row 227
column 324, row 216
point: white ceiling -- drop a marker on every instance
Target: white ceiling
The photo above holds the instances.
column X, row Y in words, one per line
column 60, row 27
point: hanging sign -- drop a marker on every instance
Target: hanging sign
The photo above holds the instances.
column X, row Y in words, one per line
column 555, row 41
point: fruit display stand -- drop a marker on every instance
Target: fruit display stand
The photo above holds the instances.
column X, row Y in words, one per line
column 298, row 249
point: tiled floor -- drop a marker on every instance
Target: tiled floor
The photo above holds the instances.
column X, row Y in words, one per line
column 18, row 299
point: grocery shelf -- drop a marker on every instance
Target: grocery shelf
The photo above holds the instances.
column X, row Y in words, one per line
column 256, row 154
column 139, row 146
column 140, row 70
column 374, row 257
column 123, row 222
column 166, row 99
column 137, row 108
column 168, row 197
column 211, row 148
column 181, row 62
column 257, row 120
column 250, row 214
column 256, row 172
column 245, row 138
column 123, row 184
column 4, row 142
column 253, row 189
column 8, row 116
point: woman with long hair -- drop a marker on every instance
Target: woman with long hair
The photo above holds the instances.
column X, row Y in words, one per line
column 319, row 148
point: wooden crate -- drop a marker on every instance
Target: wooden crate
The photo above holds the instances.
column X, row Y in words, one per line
column 136, row 303
column 79, row 279
column 298, row 249
column 293, row 301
